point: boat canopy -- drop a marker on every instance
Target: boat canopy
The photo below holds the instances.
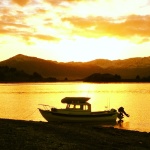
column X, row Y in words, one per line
column 72, row 100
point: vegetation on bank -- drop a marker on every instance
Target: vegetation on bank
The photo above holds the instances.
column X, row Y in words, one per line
column 13, row 75
column 97, row 77
column 8, row 74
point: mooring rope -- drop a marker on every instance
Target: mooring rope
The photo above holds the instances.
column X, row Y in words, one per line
column 30, row 114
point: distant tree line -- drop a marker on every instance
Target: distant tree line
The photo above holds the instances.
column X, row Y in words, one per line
column 8, row 74
column 97, row 77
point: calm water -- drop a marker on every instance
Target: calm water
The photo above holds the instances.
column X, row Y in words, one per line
column 20, row 101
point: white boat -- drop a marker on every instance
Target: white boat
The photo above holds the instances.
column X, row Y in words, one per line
column 77, row 110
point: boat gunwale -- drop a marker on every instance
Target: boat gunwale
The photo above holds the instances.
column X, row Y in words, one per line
column 92, row 114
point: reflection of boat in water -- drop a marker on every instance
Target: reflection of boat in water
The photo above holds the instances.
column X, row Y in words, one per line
column 77, row 110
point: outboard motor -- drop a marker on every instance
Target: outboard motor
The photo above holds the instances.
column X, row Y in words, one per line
column 121, row 113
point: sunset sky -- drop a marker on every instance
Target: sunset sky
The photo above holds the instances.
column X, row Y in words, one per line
column 75, row 30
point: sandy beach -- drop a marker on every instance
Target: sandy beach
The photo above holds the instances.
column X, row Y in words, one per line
column 23, row 135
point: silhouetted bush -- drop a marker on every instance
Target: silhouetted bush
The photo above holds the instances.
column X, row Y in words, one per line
column 97, row 77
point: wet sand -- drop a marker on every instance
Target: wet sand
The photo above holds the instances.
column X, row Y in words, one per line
column 31, row 135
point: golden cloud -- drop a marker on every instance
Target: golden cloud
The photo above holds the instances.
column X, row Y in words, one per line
column 46, row 37
column 99, row 26
column 21, row 2
column 57, row 2
column 54, row 2
column 42, row 23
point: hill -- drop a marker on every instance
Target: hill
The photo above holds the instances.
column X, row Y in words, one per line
column 128, row 68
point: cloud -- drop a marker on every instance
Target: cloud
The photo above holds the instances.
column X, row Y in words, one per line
column 24, row 32
column 9, row 26
column 143, row 40
column 28, row 38
column 54, row 2
column 42, row 21
column 61, row 2
column 21, row 2
column 11, row 22
column 133, row 25
column 46, row 37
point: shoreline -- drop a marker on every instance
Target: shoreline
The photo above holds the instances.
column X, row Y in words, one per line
column 21, row 134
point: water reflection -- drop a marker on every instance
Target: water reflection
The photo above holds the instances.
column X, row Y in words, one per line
column 21, row 100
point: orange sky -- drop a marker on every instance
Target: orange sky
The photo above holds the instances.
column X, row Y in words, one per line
column 75, row 30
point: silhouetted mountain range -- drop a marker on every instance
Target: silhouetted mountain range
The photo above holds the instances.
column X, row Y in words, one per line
column 127, row 68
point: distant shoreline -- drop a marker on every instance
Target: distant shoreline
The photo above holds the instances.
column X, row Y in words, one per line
column 73, row 81
column 12, row 75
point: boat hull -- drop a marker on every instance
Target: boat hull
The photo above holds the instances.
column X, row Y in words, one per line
column 106, row 116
